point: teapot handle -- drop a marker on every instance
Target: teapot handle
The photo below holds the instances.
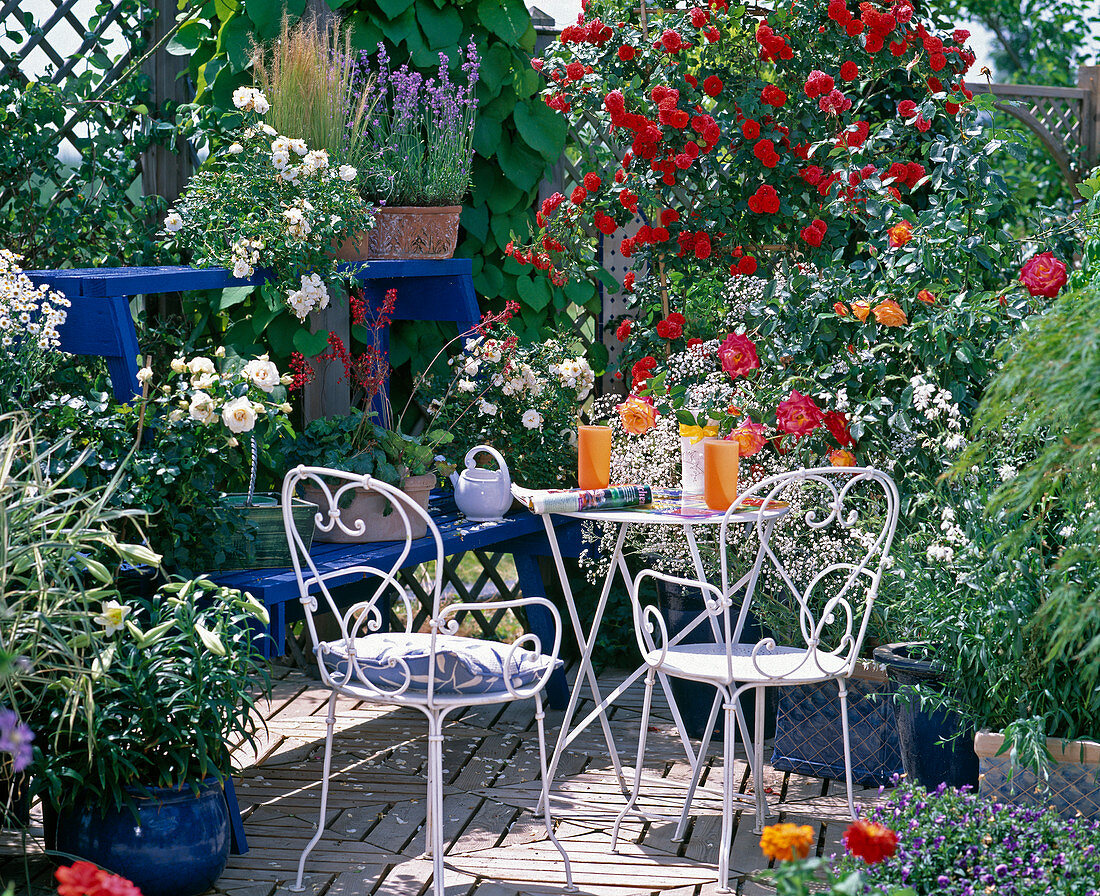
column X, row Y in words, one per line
column 490, row 450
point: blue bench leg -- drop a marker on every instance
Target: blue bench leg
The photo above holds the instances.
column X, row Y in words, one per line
column 542, row 624
column 238, row 844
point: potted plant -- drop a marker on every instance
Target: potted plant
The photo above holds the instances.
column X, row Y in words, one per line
column 270, row 201
column 423, row 129
column 138, row 788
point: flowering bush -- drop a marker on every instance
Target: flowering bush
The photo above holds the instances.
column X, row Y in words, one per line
column 521, row 399
column 268, row 201
column 86, row 879
column 954, row 843
column 29, row 340
column 421, row 131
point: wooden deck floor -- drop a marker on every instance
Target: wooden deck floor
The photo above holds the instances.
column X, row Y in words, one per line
column 495, row 846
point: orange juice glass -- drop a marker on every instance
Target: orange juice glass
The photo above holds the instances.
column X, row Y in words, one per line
column 593, row 456
column 720, row 457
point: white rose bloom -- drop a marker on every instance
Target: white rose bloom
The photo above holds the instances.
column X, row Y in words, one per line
column 290, row 175
column 348, row 173
column 201, row 407
column 487, row 408
column 316, row 160
column 260, row 104
column 145, row 374
column 280, row 159
column 242, row 97
column 298, row 146
column 173, row 222
column 262, row 373
column 219, row 352
column 175, row 415
column 532, row 419
column 465, row 385
column 242, row 269
column 204, row 380
column 280, row 144
column 239, row 415
column 236, row 149
column 268, row 129
column 200, row 365
column 178, row 365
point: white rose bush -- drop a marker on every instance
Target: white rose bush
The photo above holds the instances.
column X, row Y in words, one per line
column 269, row 203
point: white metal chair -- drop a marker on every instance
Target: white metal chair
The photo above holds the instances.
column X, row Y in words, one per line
column 832, row 604
column 437, row 671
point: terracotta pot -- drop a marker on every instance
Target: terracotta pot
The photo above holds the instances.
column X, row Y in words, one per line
column 1072, row 785
column 406, row 232
column 369, row 507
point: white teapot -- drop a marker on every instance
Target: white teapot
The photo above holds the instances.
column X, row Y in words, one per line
column 483, row 495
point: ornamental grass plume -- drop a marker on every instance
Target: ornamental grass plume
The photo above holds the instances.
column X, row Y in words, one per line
column 786, row 842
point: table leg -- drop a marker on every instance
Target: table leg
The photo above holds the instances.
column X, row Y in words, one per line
column 586, row 644
column 541, row 624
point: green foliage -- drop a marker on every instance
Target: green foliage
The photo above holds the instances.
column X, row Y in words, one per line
column 1049, row 392
column 58, row 211
column 181, row 676
column 507, row 165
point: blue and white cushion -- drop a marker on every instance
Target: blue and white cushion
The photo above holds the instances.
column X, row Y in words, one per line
column 462, row 665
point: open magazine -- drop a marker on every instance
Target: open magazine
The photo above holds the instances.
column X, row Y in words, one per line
column 570, row 500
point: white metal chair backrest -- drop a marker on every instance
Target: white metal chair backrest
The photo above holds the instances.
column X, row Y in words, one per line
column 819, row 501
column 364, row 616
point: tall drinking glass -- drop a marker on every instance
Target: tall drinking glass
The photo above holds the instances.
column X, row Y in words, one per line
column 593, row 456
column 720, row 459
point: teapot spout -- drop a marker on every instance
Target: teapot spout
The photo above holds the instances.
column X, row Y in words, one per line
column 454, row 479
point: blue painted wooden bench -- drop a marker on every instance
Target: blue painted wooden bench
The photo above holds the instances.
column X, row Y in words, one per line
column 100, row 323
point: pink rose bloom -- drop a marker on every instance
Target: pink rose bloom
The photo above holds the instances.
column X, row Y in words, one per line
column 1043, row 275
column 738, row 355
column 798, row 414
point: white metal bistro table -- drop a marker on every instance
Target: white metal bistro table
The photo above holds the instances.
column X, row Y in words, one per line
column 668, row 508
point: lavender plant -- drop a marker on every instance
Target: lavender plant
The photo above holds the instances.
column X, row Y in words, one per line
column 422, row 130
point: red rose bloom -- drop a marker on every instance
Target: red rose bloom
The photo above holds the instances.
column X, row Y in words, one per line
column 669, row 216
column 870, row 842
column 747, row 266
column 926, row 296
column 1043, row 275
column 900, row 234
column 750, row 129
column 702, row 246
column 764, row 150
column 574, row 71
column 641, row 372
column 628, row 281
column 578, row 195
column 798, row 414
column 773, row 96
column 712, row 86
column 765, row 201
column 605, row 224
column 738, row 355
column 907, row 109
column 817, row 84
column 672, row 41
column 626, row 52
column 592, row 181
column 834, row 102
column 622, row 332
column 837, row 424
column 669, row 328
column 849, row 71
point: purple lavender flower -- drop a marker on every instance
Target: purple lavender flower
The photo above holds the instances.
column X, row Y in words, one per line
column 15, row 738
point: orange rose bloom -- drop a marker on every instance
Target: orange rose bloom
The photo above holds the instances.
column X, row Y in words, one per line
column 839, row 308
column 783, row 842
column 637, row 414
column 750, row 438
column 861, row 310
column 842, row 457
column 889, row 314
column 900, row 234
column 927, row 297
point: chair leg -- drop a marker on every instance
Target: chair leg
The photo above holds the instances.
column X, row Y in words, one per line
column 650, row 678
column 843, row 686
column 330, row 723
column 728, row 742
column 545, row 800
column 698, row 763
column 758, row 770
column 434, row 819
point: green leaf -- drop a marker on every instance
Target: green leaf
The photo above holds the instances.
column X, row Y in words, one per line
column 488, row 281
column 541, row 128
column 522, row 166
column 267, row 15
column 598, row 357
column 394, row 8
column 508, row 20
column 235, row 41
column 310, row 344
column 535, row 293
column 476, row 221
column 187, row 39
column 234, row 295
column 440, row 26
column 496, row 66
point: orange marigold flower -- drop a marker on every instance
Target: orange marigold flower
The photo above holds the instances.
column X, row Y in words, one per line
column 871, row 842
column 889, row 314
column 637, row 414
column 861, row 309
column 926, row 296
column 900, row 234
column 842, row 457
column 785, row 842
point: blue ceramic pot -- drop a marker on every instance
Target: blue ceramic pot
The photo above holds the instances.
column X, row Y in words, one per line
column 177, row 845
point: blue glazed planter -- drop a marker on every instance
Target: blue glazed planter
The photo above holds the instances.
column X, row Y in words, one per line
column 177, row 846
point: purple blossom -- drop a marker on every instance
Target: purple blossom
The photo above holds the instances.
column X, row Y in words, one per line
column 15, row 739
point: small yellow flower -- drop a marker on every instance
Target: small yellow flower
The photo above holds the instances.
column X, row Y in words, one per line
column 785, row 842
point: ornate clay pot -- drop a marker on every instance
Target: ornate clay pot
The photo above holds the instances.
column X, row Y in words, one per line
column 406, row 232
column 369, row 507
